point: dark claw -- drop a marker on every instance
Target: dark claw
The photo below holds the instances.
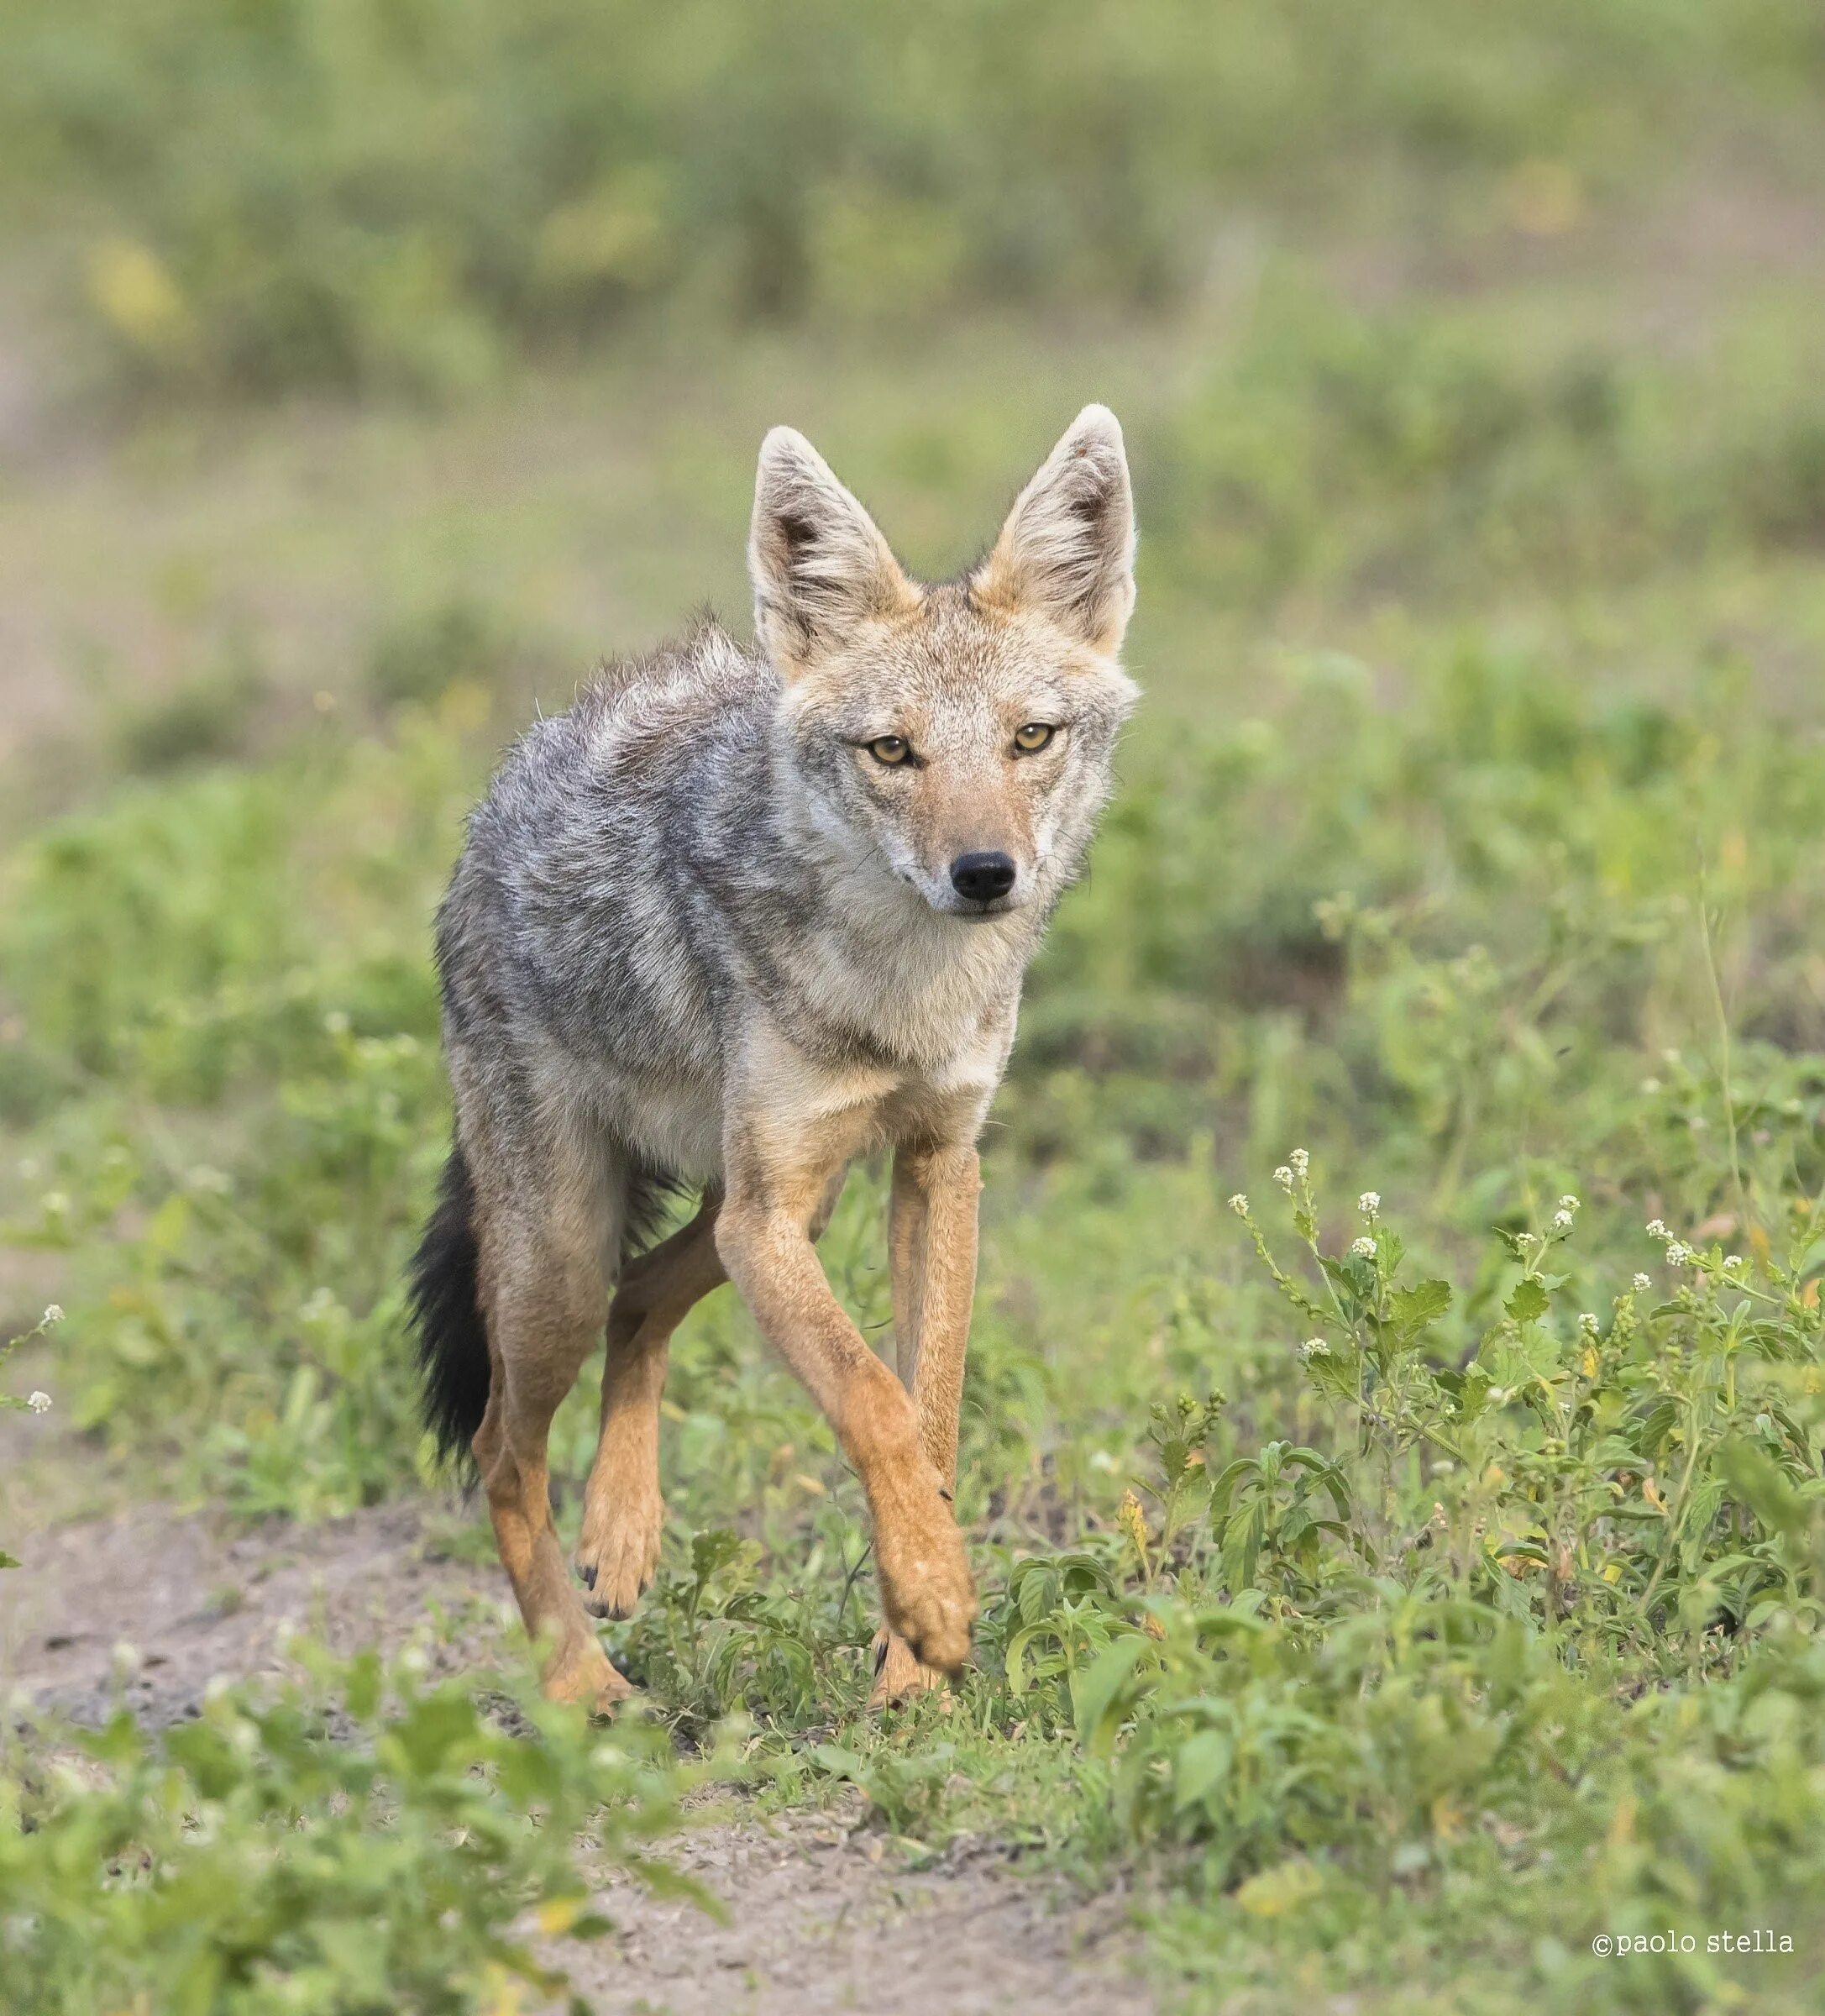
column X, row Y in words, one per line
column 949, row 1497
column 880, row 1657
column 588, row 1576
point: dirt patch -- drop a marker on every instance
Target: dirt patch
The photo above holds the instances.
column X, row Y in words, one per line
column 146, row 1608
column 826, row 1914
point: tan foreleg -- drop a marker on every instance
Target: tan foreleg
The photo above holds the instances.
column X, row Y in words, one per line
column 932, row 1242
column 764, row 1235
column 623, row 1512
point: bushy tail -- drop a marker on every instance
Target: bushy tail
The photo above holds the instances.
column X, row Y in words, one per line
column 446, row 1313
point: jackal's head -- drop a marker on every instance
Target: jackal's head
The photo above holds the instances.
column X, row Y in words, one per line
column 956, row 737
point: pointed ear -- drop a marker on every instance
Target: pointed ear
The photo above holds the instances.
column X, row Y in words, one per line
column 818, row 563
column 1067, row 549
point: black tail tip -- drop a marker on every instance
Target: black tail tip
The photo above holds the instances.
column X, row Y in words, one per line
column 444, row 1300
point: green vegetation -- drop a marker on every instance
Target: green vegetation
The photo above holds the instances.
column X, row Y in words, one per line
column 1409, row 1575
column 313, row 194
column 366, row 1842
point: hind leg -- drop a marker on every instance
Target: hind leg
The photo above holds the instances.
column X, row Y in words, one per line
column 623, row 1513
column 545, row 1290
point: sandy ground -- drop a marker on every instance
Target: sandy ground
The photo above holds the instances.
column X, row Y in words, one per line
column 824, row 1912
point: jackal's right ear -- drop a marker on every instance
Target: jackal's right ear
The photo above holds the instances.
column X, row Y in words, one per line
column 1067, row 549
column 818, row 563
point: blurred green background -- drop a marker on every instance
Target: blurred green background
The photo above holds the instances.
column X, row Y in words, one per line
column 346, row 349
column 368, row 369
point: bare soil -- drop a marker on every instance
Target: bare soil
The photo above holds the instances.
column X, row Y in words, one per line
column 824, row 1912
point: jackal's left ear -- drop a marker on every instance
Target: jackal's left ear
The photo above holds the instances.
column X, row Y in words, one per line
column 818, row 563
column 1067, row 549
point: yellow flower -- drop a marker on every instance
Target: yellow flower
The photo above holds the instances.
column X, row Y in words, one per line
column 135, row 294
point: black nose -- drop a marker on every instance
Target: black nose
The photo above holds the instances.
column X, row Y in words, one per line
column 982, row 877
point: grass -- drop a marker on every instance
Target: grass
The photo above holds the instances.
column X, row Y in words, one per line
column 246, row 201
column 363, row 1840
column 1402, row 1620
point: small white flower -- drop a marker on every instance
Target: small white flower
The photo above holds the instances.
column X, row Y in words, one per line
column 1364, row 1249
column 1679, row 1254
column 1568, row 1202
column 1239, row 1204
column 1300, row 1160
column 1314, row 1347
column 1731, row 1262
column 1587, row 1325
column 53, row 1314
column 1642, row 1283
column 1497, row 1395
column 1369, row 1203
column 1657, row 1230
column 1283, row 1177
column 39, row 1403
column 1561, row 1221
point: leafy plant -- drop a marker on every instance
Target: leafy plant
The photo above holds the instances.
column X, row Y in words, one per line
column 366, row 1841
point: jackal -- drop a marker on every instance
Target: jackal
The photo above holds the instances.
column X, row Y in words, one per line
column 739, row 916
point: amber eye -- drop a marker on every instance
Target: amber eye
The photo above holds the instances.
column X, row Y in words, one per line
column 1033, row 736
column 893, row 750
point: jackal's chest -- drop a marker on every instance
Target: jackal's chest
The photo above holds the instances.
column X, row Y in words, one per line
column 932, row 1014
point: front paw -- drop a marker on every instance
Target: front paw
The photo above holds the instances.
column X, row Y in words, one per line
column 618, row 1552
column 898, row 1676
column 925, row 1586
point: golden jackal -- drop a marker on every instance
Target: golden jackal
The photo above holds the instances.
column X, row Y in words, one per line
column 739, row 916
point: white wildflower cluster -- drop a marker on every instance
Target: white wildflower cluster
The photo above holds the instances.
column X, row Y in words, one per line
column 1566, row 1215
column 1363, row 1249
column 1239, row 1204
column 39, row 1403
column 53, row 1314
column 1283, row 1177
column 1370, row 1204
column 1678, row 1253
column 1642, row 1283
column 1733, row 1267
column 1313, row 1347
column 1588, row 1326
column 1301, row 1163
